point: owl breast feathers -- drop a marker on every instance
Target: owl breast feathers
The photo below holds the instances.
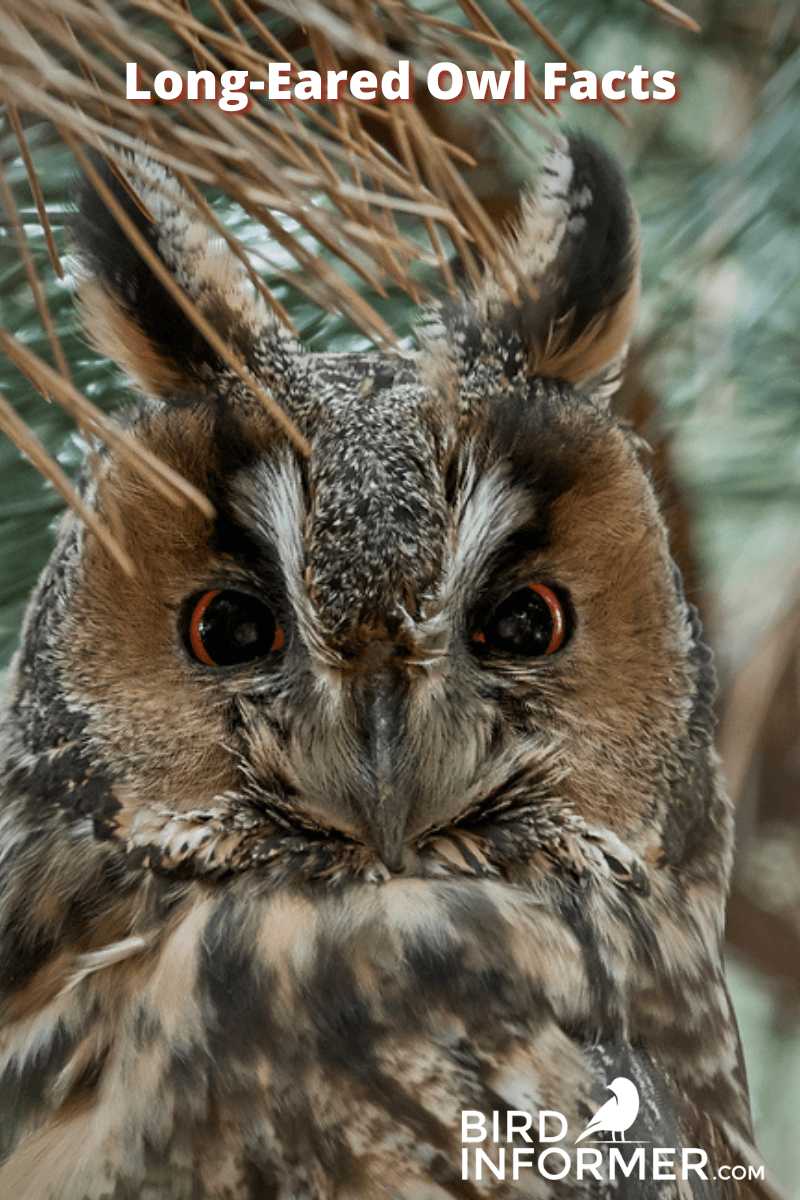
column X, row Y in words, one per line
column 387, row 792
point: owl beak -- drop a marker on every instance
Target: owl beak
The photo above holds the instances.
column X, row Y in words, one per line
column 382, row 805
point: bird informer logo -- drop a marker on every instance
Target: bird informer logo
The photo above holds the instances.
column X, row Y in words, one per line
column 520, row 1141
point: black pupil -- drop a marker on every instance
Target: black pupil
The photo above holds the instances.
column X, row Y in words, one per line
column 236, row 628
column 522, row 624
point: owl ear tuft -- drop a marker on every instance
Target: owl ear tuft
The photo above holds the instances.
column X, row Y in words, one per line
column 577, row 245
column 129, row 313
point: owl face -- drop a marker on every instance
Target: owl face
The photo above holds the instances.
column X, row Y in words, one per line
column 408, row 739
column 431, row 614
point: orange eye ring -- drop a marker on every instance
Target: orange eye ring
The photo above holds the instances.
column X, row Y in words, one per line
column 197, row 634
column 195, row 638
column 556, row 612
column 519, row 642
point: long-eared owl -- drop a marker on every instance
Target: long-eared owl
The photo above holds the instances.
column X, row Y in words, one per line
column 380, row 805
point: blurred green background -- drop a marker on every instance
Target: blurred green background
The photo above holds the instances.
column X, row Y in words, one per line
column 716, row 388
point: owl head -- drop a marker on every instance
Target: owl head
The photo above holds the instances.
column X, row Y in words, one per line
column 457, row 612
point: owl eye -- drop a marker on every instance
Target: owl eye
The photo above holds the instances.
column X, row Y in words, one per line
column 528, row 623
column 227, row 628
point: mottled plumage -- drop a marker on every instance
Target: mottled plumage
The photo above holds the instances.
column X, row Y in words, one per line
column 447, row 833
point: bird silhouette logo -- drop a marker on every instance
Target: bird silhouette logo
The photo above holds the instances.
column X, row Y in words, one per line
column 617, row 1114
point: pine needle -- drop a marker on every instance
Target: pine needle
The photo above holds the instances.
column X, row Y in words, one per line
column 366, row 188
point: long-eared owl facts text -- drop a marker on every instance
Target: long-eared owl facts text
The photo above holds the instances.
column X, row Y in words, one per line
column 383, row 794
